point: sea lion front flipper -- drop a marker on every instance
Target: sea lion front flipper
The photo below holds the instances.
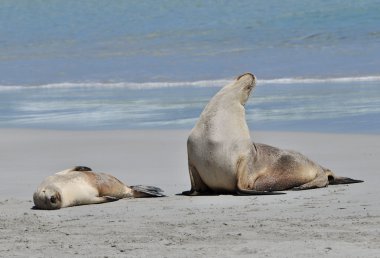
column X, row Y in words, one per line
column 81, row 168
column 93, row 200
column 198, row 187
column 74, row 169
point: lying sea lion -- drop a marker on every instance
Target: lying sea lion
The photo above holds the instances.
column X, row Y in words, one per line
column 223, row 159
column 79, row 186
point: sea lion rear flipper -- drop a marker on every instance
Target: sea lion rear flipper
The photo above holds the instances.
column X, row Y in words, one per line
column 344, row 180
column 140, row 191
column 337, row 180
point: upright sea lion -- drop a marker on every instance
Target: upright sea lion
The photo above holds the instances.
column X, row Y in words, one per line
column 79, row 186
column 223, row 159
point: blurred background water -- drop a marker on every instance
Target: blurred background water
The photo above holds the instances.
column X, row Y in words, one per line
column 155, row 64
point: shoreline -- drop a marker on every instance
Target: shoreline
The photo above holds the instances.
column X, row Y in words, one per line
column 340, row 220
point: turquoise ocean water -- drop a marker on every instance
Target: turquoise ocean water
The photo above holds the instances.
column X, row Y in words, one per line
column 80, row 65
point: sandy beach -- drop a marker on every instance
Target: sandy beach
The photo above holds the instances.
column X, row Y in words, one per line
column 337, row 221
column 117, row 85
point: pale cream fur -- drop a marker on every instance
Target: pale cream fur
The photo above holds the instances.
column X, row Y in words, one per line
column 221, row 136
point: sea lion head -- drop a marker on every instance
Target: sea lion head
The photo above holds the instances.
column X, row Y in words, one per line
column 47, row 199
column 241, row 88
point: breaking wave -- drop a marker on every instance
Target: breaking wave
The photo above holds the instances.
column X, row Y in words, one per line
column 202, row 83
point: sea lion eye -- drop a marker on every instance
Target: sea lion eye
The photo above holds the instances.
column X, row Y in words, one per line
column 53, row 199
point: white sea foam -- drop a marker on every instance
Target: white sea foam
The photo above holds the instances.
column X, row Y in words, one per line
column 203, row 83
column 320, row 80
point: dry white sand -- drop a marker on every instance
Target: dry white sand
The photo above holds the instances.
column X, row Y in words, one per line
column 337, row 221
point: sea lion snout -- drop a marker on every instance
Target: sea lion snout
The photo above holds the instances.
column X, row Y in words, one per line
column 244, row 86
column 47, row 199
column 249, row 76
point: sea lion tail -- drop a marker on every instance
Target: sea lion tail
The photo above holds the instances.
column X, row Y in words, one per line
column 141, row 191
